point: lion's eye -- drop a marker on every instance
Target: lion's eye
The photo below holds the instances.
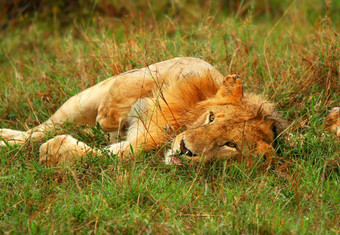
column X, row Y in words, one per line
column 230, row 144
column 211, row 117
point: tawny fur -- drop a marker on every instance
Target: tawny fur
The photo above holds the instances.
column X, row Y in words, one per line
column 177, row 100
column 333, row 121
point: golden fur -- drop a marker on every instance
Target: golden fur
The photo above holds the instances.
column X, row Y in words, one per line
column 184, row 101
column 333, row 121
column 246, row 120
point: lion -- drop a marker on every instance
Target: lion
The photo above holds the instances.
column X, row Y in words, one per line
column 183, row 102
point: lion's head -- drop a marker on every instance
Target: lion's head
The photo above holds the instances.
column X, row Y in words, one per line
column 229, row 125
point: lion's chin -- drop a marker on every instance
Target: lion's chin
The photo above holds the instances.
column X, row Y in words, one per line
column 171, row 159
column 170, row 155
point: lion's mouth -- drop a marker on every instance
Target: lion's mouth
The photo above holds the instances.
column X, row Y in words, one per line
column 185, row 150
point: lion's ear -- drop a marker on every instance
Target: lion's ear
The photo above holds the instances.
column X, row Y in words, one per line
column 278, row 124
column 231, row 89
column 273, row 122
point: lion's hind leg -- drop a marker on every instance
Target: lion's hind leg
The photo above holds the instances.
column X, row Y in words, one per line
column 11, row 137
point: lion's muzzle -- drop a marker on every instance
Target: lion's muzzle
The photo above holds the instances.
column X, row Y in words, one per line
column 185, row 150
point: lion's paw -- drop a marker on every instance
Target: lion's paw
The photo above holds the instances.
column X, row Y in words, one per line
column 231, row 79
column 233, row 87
column 62, row 149
column 333, row 121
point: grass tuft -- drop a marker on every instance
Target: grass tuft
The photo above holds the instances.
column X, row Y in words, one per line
column 286, row 50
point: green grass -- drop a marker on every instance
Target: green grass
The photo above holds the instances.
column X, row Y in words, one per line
column 286, row 51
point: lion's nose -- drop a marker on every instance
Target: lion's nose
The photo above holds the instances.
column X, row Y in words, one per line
column 185, row 150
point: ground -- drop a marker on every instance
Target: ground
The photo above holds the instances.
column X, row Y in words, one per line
column 288, row 51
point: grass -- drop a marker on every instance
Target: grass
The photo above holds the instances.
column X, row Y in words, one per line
column 288, row 51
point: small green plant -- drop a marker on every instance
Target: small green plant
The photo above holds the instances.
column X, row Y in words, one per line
column 286, row 50
column 78, row 213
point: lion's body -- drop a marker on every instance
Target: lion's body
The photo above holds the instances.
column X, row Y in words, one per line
column 166, row 101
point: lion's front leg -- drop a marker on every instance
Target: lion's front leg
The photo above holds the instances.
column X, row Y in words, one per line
column 63, row 149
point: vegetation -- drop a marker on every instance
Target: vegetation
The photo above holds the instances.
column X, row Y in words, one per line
column 286, row 50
